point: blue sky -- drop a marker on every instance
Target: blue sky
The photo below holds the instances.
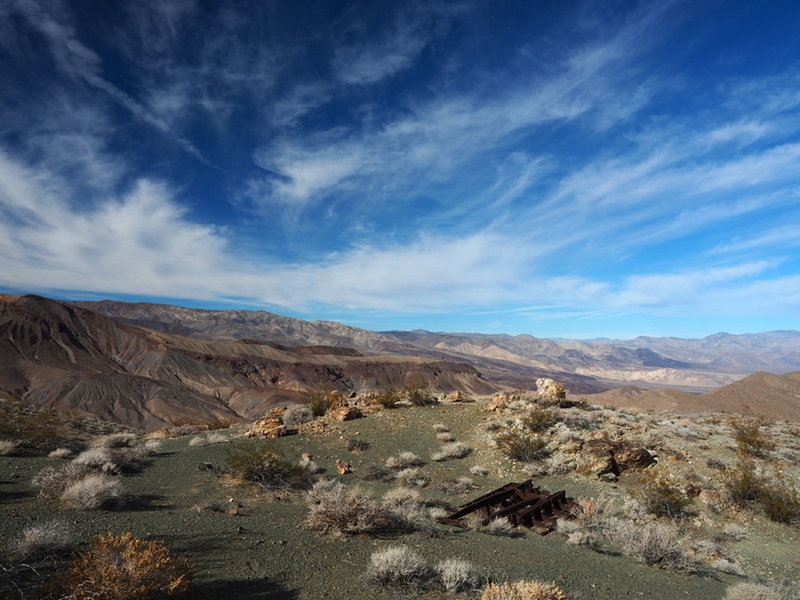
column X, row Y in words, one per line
column 572, row 169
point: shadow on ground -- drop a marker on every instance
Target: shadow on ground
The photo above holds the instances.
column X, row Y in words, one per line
column 241, row 590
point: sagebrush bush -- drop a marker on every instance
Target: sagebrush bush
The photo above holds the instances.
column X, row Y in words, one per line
column 117, row 440
column 52, row 481
column 772, row 493
column 319, row 400
column 125, row 568
column 417, row 393
column 451, row 450
column 398, row 567
column 61, row 453
column 44, row 539
column 8, row 447
column 523, row 590
column 404, row 460
column 458, row 576
column 357, row 445
column 750, row 591
column 499, row 527
column 479, row 470
column 258, row 462
column 336, row 510
column 749, row 436
column 411, row 477
column 96, row 490
column 297, row 415
column 657, row 544
column 445, row 437
column 458, row 486
column 440, row 428
column 521, row 446
column 197, row 441
column 660, row 496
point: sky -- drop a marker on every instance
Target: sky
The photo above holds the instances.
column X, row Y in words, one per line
column 562, row 169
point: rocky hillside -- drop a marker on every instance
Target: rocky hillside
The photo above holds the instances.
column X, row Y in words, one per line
column 58, row 355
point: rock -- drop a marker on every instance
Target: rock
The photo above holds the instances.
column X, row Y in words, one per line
column 269, row 427
column 343, row 468
column 335, row 400
column 599, row 457
column 709, row 497
column 372, row 408
column 307, row 456
column 550, row 391
column 691, row 490
column 454, row 397
column 277, row 412
column 345, row 413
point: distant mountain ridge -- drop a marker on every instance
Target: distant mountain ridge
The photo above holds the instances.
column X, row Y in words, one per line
column 516, row 360
column 59, row 355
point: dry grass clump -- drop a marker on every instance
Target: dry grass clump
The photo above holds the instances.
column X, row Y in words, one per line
column 258, row 462
column 657, row 544
column 61, row 453
column 214, row 437
column 51, row 481
column 451, row 450
column 521, row 446
column 44, row 539
column 440, row 428
column 404, row 460
column 297, row 415
column 398, row 567
column 197, row 441
column 479, row 471
column 93, row 491
column 124, row 568
column 734, row 532
column 445, row 437
column 357, row 445
column 8, row 447
column 417, row 393
column 659, row 495
column 117, row 440
column 458, row 576
column 523, row 590
column 411, row 478
column 456, row 487
column 750, row 591
column 749, row 437
column 499, row 527
column 336, row 510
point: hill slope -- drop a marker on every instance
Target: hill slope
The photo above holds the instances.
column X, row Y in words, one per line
column 58, row 355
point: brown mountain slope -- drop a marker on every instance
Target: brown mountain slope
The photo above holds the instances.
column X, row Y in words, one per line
column 58, row 355
column 761, row 394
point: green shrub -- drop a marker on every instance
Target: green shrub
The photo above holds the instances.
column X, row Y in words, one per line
column 317, row 400
column 521, row 446
column 659, row 495
column 258, row 462
column 418, row 393
column 387, row 398
column 777, row 498
column 539, row 419
column 749, row 437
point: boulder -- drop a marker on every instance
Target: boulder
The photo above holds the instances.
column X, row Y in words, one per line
column 345, row 413
column 599, row 457
column 550, row 391
column 454, row 397
column 268, row 427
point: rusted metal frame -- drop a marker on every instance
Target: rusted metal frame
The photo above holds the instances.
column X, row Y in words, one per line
column 497, row 496
column 540, row 505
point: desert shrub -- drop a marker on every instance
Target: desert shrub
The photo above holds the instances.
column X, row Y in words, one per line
column 456, row 576
column 93, row 491
column 521, row 446
column 479, row 471
column 417, row 393
column 408, row 512
column 336, row 510
column 387, row 398
column 217, row 437
column 411, row 477
column 593, row 526
column 539, row 419
column 8, row 447
column 749, row 437
column 51, row 481
column 723, row 565
column 319, row 400
column 43, row 539
column 659, row 495
column 197, row 441
column 37, row 431
column 398, row 567
column 183, row 429
column 117, row 440
column 297, row 415
column 440, row 428
column 125, row 568
column 523, row 590
column 445, row 437
column 404, row 460
column 307, row 463
column 734, row 532
column 499, row 527
column 656, row 544
column 376, row 472
column 61, row 453
column 749, row 487
column 356, row 445
column 258, row 462
column 98, row 458
column 216, row 424
column 750, row 591
column 451, row 450
column 456, row 487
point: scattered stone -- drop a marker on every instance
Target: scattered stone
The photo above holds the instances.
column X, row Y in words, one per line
column 343, row 467
column 270, row 427
column 454, row 397
column 345, row 413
